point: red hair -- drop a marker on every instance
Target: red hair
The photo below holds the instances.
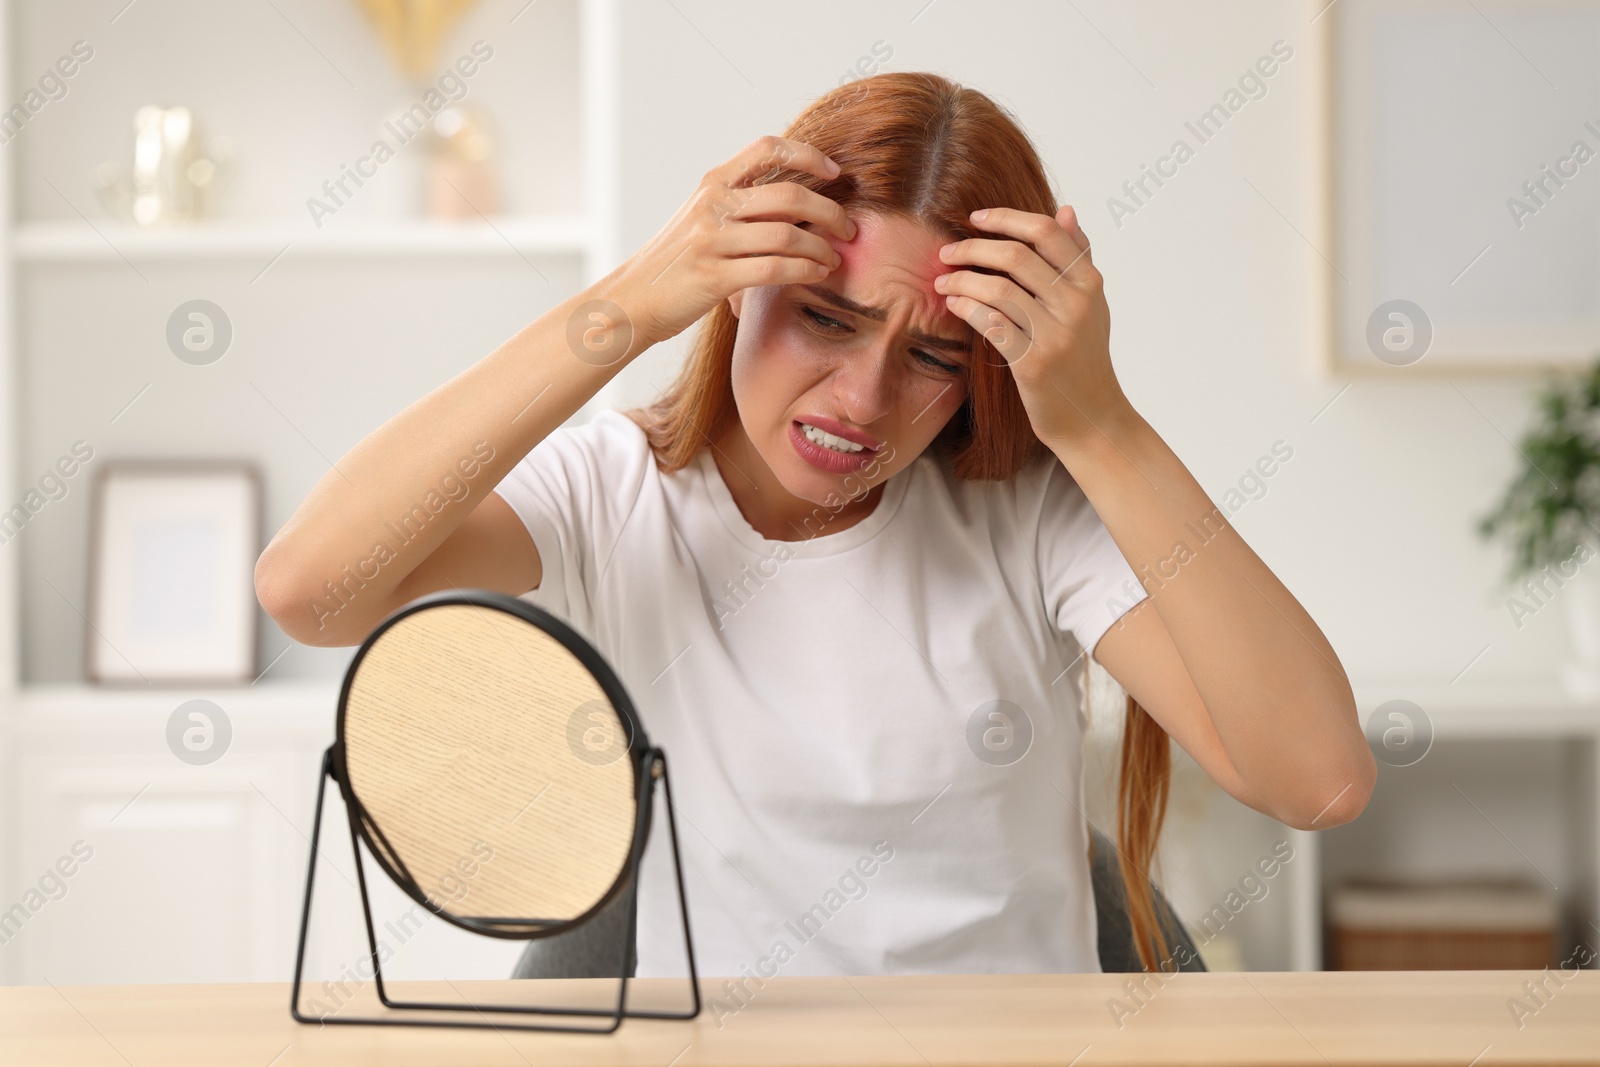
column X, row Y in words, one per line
column 922, row 147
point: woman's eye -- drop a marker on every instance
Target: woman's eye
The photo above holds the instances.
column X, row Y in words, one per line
column 937, row 364
column 828, row 324
column 822, row 321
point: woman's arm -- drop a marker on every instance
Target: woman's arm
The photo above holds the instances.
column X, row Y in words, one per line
column 366, row 540
column 1221, row 655
column 409, row 511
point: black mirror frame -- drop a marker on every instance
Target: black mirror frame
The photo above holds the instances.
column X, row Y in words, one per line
column 638, row 745
column 649, row 767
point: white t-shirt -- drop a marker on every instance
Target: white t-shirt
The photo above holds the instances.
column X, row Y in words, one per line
column 851, row 798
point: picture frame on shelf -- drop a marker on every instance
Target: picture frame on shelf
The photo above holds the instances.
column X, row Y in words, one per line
column 1459, row 234
column 172, row 552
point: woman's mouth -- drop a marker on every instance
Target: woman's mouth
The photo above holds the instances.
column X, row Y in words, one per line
column 827, row 451
column 818, row 436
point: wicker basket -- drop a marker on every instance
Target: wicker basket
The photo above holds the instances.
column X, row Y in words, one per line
column 1480, row 925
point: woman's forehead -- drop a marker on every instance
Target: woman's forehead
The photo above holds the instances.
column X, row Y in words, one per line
column 890, row 257
column 893, row 242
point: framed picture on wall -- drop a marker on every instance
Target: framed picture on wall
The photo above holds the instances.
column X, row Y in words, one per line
column 172, row 554
column 1461, row 169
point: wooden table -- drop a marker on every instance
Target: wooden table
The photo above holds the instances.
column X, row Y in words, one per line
column 1456, row 1018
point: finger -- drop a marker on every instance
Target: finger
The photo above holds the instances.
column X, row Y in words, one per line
column 779, row 239
column 1011, row 257
column 751, row 271
column 766, row 156
column 1082, row 268
column 1053, row 243
column 792, row 202
column 998, row 326
column 994, row 291
column 1067, row 216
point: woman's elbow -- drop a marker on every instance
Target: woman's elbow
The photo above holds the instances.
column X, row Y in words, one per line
column 1339, row 798
column 287, row 598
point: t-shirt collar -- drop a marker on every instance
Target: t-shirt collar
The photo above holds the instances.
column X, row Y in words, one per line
column 821, row 544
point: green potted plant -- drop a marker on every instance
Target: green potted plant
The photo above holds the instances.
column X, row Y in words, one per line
column 1550, row 515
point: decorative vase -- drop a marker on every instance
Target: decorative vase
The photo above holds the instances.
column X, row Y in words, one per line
column 1581, row 602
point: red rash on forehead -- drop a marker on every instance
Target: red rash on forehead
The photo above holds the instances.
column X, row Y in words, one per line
column 898, row 251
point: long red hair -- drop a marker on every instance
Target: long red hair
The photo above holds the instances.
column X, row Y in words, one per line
column 920, row 146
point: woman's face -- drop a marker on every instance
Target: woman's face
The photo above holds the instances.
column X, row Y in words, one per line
column 869, row 353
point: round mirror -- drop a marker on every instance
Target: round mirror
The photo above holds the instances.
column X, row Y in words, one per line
column 492, row 764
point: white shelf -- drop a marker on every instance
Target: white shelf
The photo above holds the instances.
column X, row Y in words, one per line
column 80, row 241
column 56, row 709
column 1532, row 709
column 1507, row 710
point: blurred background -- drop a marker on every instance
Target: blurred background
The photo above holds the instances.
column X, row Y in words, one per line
column 1352, row 253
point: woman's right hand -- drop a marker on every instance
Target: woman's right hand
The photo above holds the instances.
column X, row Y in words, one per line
column 739, row 229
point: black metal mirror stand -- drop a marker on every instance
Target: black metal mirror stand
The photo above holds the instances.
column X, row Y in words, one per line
column 655, row 767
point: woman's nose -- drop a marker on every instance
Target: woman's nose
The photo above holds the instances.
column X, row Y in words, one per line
column 865, row 387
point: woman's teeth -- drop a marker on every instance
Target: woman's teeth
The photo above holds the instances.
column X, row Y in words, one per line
column 828, row 440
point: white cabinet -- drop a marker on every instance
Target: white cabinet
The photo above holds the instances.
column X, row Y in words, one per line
column 178, row 873
column 196, row 873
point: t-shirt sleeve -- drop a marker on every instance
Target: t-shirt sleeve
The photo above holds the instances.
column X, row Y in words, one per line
column 1086, row 582
column 574, row 492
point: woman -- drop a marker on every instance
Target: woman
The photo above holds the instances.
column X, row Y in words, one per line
column 846, row 561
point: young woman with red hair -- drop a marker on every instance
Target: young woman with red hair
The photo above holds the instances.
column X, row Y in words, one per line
column 844, row 563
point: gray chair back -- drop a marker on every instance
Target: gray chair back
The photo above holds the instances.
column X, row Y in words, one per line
column 1118, row 954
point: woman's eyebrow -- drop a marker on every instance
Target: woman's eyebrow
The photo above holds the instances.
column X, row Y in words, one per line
column 844, row 303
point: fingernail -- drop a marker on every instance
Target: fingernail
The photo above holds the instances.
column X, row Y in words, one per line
column 980, row 214
column 835, row 167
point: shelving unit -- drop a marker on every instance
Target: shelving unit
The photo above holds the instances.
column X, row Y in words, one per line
column 1508, row 789
column 183, row 852
column 104, row 242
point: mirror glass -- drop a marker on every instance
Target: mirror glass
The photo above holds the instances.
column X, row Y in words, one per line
column 489, row 765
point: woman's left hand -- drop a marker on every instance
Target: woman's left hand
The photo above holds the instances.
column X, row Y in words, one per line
column 1046, row 315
